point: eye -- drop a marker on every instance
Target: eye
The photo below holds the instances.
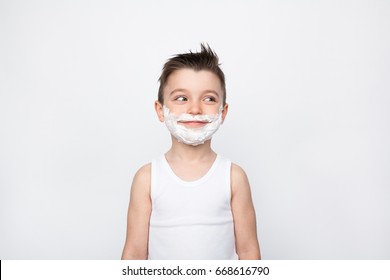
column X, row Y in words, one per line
column 210, row 99
column 181, row 98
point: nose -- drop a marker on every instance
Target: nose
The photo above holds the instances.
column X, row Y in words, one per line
column 195, row 109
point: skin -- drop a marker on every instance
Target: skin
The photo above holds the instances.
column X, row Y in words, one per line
column 192, row 92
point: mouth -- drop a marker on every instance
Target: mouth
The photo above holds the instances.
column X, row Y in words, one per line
column 193, row 123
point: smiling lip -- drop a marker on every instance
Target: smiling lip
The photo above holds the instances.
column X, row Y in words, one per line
column 193, row 123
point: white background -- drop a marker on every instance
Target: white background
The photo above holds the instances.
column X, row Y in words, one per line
column 309, row 94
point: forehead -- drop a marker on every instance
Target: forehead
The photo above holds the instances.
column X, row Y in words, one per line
column 193, row 81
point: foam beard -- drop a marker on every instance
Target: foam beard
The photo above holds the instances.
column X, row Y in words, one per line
column 192, row 136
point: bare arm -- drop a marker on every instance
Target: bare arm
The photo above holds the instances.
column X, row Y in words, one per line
column 136, row 245
column 247, row 245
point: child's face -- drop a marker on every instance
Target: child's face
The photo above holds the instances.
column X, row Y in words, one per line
column 193, row 92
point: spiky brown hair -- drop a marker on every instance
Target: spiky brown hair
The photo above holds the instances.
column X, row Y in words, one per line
column 206, row 59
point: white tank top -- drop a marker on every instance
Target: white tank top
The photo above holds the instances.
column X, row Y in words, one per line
column 191, row 220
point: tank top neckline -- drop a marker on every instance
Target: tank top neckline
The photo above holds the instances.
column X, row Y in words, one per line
column 193, row 183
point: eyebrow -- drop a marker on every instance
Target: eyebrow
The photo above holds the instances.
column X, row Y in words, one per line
column 186, row 91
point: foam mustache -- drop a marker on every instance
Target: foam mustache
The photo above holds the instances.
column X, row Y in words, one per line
column 184, row 117
column 192, row 136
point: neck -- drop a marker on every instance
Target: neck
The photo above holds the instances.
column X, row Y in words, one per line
column 183, row 151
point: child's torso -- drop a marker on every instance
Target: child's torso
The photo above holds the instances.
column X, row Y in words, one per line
column 191, row 219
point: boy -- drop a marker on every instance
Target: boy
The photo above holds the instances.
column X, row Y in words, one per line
column 191, row 203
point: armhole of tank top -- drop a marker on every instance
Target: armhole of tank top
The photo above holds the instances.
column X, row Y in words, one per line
column 228, row 178
column 152, row 179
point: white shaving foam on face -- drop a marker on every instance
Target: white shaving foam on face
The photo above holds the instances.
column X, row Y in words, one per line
column 192, row 136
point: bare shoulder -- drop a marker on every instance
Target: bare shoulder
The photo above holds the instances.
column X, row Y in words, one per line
column 239, row 179
column 237, row 171
column 141, row 181
column 144, row 172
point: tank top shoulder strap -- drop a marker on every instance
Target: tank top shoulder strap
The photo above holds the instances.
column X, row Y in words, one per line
column 224, row 171
column 157, row 176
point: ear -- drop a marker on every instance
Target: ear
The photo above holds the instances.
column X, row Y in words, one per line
column 159, row 110
column 224, row 111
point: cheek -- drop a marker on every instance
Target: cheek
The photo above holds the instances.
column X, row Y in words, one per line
column 174, row 109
